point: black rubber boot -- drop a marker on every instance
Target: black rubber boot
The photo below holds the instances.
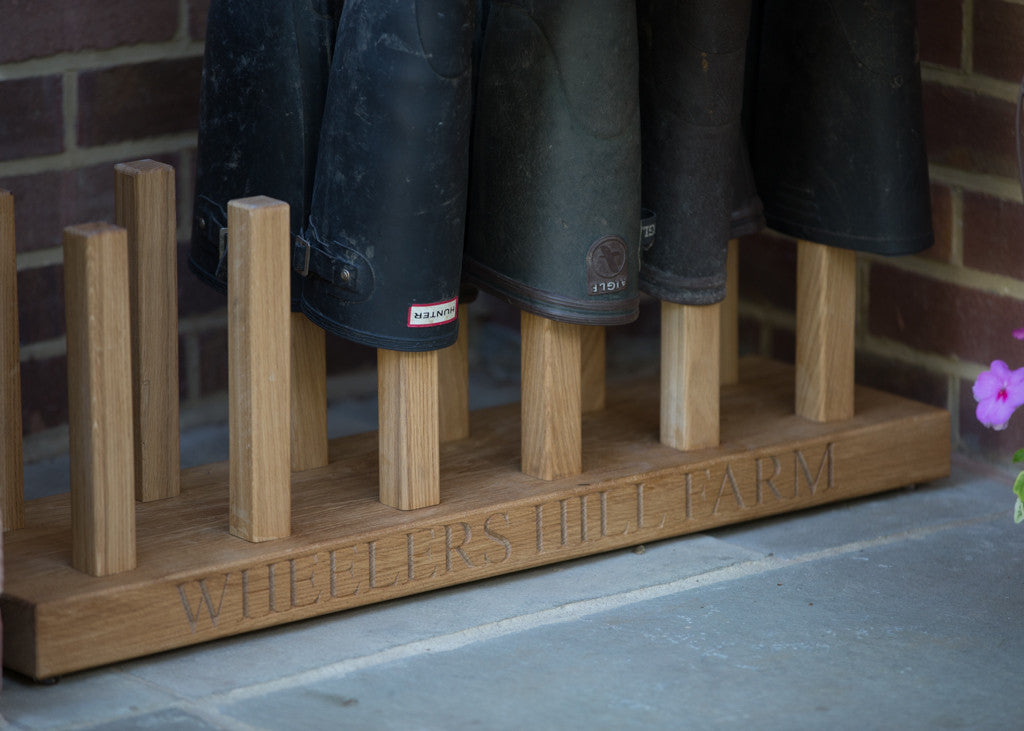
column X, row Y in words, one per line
column 838, row 151
column 554, row 219
column 691, row 70
column 265, row 74
column 382, row 253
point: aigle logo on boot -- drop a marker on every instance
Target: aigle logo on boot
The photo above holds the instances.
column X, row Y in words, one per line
column 436, row 313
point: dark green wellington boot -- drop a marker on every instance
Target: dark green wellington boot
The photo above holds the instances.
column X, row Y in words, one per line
column 747, row 210
column 691, row 80
column 554, row 219
column 382, row 254
column 264, row 83
column 838, row 150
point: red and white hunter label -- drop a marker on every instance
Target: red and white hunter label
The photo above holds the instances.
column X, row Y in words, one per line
column 432, row 315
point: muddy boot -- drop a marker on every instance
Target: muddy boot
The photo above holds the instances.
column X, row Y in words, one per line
column 265, row 74
column 838, row 138
column 691, row 70
column 382, row 253
column 554, row 219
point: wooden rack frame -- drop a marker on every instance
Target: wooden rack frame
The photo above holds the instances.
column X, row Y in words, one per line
column 292, row 526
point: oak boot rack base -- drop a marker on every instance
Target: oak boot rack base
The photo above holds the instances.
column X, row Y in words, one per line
column 196, row 582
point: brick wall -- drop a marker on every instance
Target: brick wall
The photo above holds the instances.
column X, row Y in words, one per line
column 85, row 85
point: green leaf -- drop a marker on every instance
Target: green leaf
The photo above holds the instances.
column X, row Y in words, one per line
column 1018, row 486
column 1018, row 456
column 1018, row 511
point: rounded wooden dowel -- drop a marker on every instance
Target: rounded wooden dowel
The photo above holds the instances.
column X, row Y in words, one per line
column 99, row 399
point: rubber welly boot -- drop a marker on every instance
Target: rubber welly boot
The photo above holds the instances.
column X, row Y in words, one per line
column 691, row 79
column 554, row 217
column 265, row 74
column 382, row 254
column 838, row 151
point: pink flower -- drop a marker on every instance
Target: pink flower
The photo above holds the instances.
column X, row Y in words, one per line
column 998, row 391
column 1019, row 333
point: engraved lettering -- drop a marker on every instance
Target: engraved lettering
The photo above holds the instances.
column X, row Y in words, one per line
column 800, row 465
column 688, row 489
column 204, row 599
column 769, row 481
column 563, row 518
column 247, row 592
column 730, row 479
column 450, row 547
column 293, row 582
column 334, row 572
column 497, row 537
column 583, row 518
column 411, row 556
column 371, row 562
column 539, row 520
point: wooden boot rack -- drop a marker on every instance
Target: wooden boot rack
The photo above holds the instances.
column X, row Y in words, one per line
column 142, row 557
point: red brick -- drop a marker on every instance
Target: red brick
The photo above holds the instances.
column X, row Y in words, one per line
column 998, row 37
column 767, row 270
column 197, row 12
column 992, row 229
column 942, row 318
column 31, row 117
column 970, row 131
column 44, row 394
column 34, row 29
column 41, row 303
column 939, row 28
column 902, row 379
column 213, row 361
column 138, row 101
column 942, row 224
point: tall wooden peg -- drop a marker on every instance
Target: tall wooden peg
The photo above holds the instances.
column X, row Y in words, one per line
column 145, row 207
column 308, row 394
column 408, row 437
column 12, row 480
column 259, row 364
column 99, row 399
column 690, row 375
column 593, row 360
column 826, row 301
column 453, row 384
column 551, row 374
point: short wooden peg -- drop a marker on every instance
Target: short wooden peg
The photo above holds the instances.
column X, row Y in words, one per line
column 592, row 377
column 453, row 384
column 730, row 337
column 259, row 289
column 825, row 316
column 551, row 375
column 12, row 480
column 690, row 375
column 308, row 394
column 407, row 393
column 99, row 399
column 145, row 207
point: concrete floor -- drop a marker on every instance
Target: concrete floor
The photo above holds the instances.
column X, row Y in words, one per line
column 901, row 610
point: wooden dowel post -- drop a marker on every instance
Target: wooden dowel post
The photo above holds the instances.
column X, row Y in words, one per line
column 407, row 393
column 551, row 423
column 99, row 399
column 825, row 317
column 259, row 369
column 308, row 394
column 145, row 208
column 12, row 477
column 730, row 338
column 453, row 384
column 690, row 375
column 592, row 377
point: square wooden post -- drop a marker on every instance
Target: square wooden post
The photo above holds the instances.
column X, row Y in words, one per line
column 453, row 384
column 12, row 479
column 259, row 364
column 308, row 394
column 730, row 333
column 593, row 340
column 145, row 208
column 99, row 399
column 551, row 371
column 826, row 307
column 690, row 375
column 407, row 389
